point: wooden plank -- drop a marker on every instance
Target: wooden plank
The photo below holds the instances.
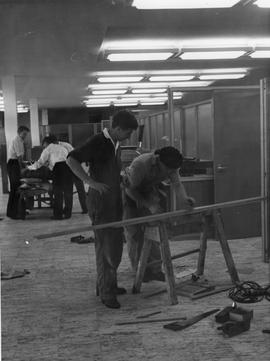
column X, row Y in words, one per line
column 203, row 246
column 167, row 264
column 176, row 256
column 225, row 248
column 156, row 217
column 142, row 265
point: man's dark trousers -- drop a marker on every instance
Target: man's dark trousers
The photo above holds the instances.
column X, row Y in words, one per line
column 108, row 242
column 62, row 190
column 14, row 174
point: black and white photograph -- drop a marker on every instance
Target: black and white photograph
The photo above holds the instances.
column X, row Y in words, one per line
column 135, row 180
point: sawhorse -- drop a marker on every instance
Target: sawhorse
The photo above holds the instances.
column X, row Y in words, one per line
column 159, row 233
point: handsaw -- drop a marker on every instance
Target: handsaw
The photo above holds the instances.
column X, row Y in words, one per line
column 181, row 325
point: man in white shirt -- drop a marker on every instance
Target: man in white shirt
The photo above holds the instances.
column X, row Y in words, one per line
column 14, row 165
column 54, row 156
column 76, row 180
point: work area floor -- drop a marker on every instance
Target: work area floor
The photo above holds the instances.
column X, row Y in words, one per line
column 53, row 314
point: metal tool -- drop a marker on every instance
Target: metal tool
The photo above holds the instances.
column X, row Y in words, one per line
column 178, row 326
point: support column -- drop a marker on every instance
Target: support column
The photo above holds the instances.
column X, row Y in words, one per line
column 34, row 122
column 45, row 122
column 11, row 123
column 265, row 167
column 10, row 104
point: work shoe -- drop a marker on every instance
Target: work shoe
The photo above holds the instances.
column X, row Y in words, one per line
column 111, row 303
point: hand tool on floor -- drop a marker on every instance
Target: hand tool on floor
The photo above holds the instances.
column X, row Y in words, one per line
column 181, row 325
column 265, row 331
column 149, row 321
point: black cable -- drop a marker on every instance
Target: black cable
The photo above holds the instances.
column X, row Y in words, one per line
column 249, row 292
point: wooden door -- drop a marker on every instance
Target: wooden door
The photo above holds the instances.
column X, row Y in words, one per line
column 237, row 159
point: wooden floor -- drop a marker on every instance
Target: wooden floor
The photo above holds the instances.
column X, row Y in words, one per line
column 53, row 314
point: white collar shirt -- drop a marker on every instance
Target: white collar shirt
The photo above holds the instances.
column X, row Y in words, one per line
column 107, row 135
column 51, row 155
column 16, row 148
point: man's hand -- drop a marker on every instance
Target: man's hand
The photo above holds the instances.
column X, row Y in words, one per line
column 189, row 203
column 99, row 187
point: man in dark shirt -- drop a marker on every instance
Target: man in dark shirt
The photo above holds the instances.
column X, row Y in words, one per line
column 102, row 152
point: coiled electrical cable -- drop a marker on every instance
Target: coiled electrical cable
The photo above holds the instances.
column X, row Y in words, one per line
column 249, row 292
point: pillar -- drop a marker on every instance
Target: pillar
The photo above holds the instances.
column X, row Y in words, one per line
column 34, row 122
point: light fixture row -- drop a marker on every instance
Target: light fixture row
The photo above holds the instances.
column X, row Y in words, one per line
column 192, row 4
column 188, row 54
column 170, row 78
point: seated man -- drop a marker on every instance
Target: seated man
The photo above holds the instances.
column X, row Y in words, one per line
column 55, row 155
column 142, row 197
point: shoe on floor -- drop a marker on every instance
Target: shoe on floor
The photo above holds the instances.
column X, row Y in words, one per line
column 111, row 303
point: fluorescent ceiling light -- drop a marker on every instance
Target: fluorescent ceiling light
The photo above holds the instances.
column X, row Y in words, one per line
column 168, row 44
column 173, row 84
column 98, row 105
column 183, row 4
column 200, row 55
column 138, row 91
column 222, row 76
column 148, row 85
column 108, row 92
column 139, row 56
column 260, row 54
column 262, row 3
column 172, row 78
column 131, row 104
column 223, row 71
column 153, row 103
column 114, row 79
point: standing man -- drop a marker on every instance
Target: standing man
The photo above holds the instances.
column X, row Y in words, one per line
column 77, row 181
column 14, row 166
column 102, row 152
column 54, row 156
column 142, row 197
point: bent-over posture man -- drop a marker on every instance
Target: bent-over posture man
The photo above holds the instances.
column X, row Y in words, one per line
column 14, row 166
column 102, row 152
column 142, row 197
column 54, row 156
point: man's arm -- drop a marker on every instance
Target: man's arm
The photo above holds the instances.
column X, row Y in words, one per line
column 44, row 158
column 182, row 199
column 78, row 170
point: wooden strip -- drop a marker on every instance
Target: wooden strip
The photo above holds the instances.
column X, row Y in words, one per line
column 167, row 264
column 147, row 244
column 156, row 217
column 217, row 289
column 176, row 256
column 149, row 314
column 203, row 246
column 225, row 248
column 150, row 321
